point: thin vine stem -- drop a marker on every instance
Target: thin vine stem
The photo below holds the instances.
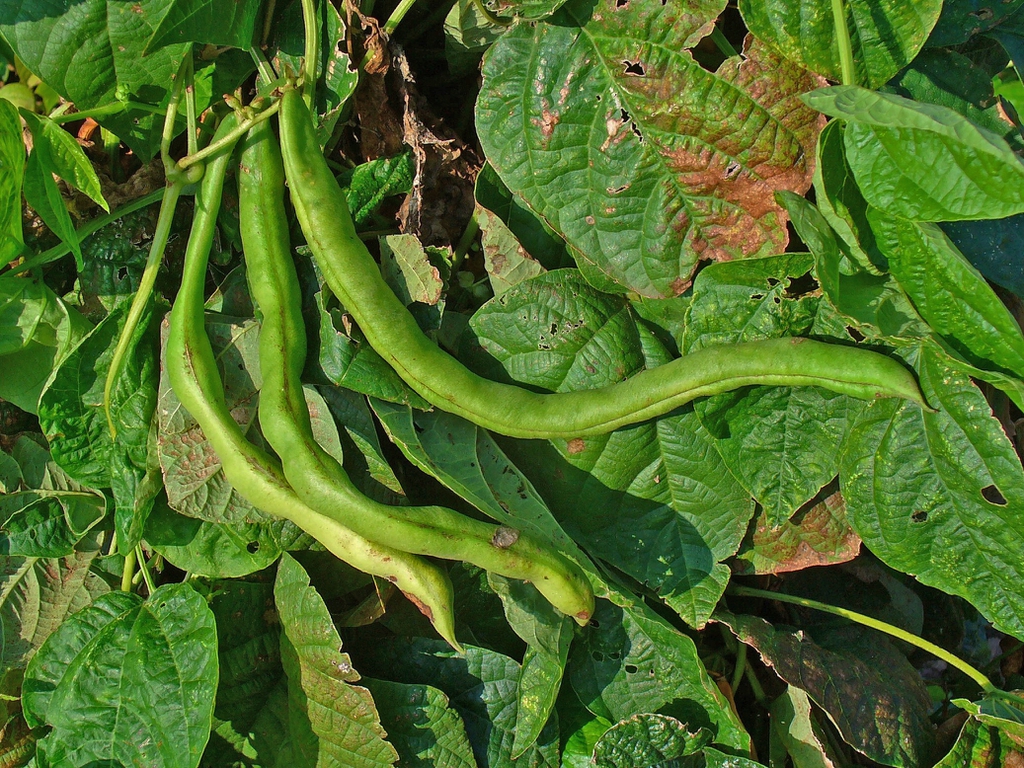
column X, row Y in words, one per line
column 190, row 107
column 718, row 38
column 490, row 15
column 312, row 51
column 172, row 110
column 105, row 111
column 143, row 294
column 263, row 66
column 901, row 634
column 144, row 569
column 843, row 40
column 396, row 16
column 229, row 138
column 741, row 665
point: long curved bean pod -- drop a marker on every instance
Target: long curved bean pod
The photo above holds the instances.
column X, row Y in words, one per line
column 353, row 275
column 315, row 475
column 255, row 474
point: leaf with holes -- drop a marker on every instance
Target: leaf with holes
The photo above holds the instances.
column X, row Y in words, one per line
column 939, row 495
column 602, row 121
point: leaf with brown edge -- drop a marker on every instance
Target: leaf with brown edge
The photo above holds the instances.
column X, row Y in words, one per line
column 868, row 689
column 818, row 534
column 645, row 162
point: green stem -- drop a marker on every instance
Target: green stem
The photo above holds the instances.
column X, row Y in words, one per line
column 228, row 139
column 901, row 634
column 268, row 21
column 105, row 111
column 266, row 71
column 755, row 684
column 143, row 294
column 312, row 53
column 843, row 39
column 741, row 665
column 172, row 110
column 128, row 571
column 462, row 247
column 190, row 106
column 91, row 227
column 718, row 38
column 396, row 16
column 144, row 568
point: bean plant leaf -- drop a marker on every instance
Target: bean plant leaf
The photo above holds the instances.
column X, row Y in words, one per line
column 37, row 595
column 793, row 723
column 949, row 293
column 631, row 660
column 848, row 666
column 127, row 680
column 215, row 22
column 42, row 193
column 893, row 146
column 962, row 19
column 91, row 53
column 938, row 495
column 885, row 36
column 251, row 708
column 332, row 719
column 647, row 741
column 654, row 500
column 64, row 156
column 982, row 745
column 480, row 686
column 71, row 414
column 574, row 115
column 505, row 260
column 12, row 155
column 422, row 725
column 369, row 184
column 817, row 535
column 219, row 550
column 548, row 635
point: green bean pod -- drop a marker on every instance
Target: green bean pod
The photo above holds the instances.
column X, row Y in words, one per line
column 353, row 275
column 315, row 475
column 256, row 475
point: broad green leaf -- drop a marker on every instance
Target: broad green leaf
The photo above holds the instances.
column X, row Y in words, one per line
column 64, row 156
column 869, row 690
column 817, row 535
column 631, row 660
column 949, row 79
column 333, row 721
column 579, row 746
column 227, row 23
column 793, row 722
column 28, row 310
column 716, row 759
column 481, row 687
column 424, row 729
column 42, row 193
column 547, row 634
column 949, row 293
column 648, row 741
column 506, row 261
column 36, row 596
column 654, row 500
column 71, row 414
column 893, row 146
column 575, row 116
column 539, row 240
column 781, row 443
column 885, row 35
column 250, row 716
column 36, row 523
column 12, row 166
column 962, row 19
column 127, row 680
column 938, row 495
column 10, row 474
column 91, row 53
column 840, row 202
column 467, row 34
column 369, row 184
column 219, row 550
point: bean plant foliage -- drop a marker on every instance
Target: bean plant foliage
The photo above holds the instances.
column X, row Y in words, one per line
column 564, row 193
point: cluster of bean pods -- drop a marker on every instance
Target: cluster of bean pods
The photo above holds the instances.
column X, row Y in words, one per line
column 309, row 487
